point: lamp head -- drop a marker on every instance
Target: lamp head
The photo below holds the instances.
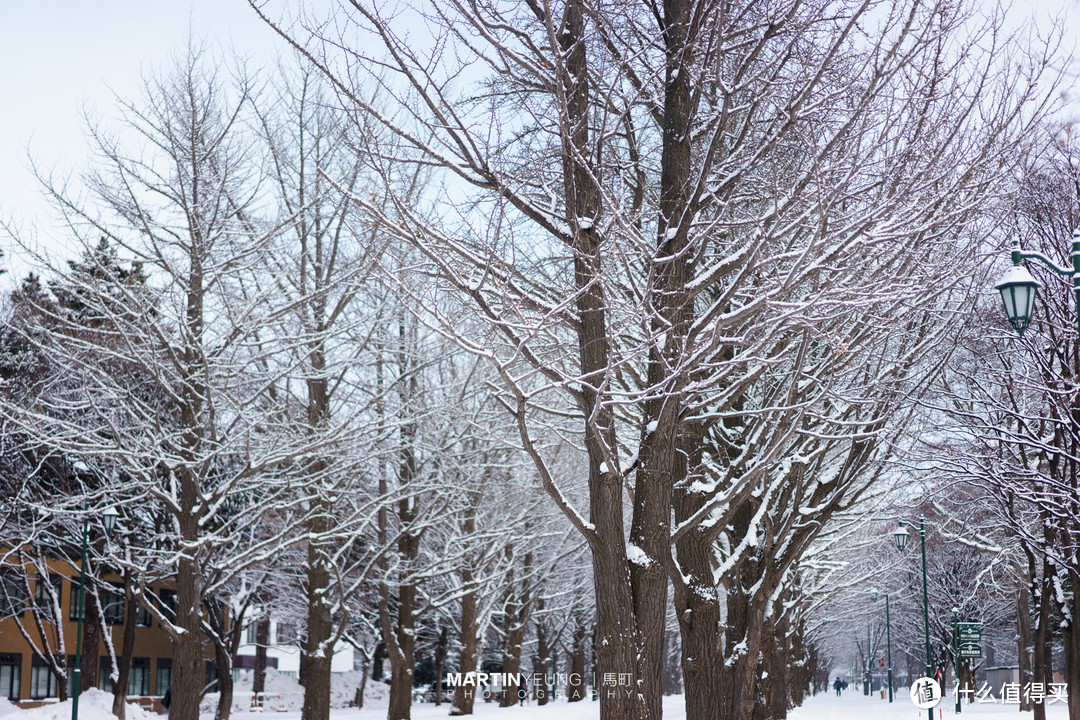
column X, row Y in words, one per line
column 1018, row 288
column 109, row 517
column 900, row 535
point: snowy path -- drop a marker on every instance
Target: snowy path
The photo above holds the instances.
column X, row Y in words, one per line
column 825, row 706
column 852, row 706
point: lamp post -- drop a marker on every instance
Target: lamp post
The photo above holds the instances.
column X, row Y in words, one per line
column 869, row 679
column 956, row 654
column 109, row 517
column 888, row 643
column 1018, row 288
column 866, row 668
column 900, row 535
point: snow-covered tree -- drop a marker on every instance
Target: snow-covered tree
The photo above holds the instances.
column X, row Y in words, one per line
column 706, row 232
column 1011, row 405
column 164, row 397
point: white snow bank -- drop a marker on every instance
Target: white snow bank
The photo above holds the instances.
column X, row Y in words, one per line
column 94, row 704
column 284, row 693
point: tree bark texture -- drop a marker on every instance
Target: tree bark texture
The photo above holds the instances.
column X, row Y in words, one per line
column 131, row 610
column 518, row 611
column 697, row 603
column 542, row 659
column 91, row 640
column 223, row 659
column 1024, row 642
column 630, row 604
column 262, row 639
column 575, row 679
column 1070, row 639
column 440, row 664
column 469, row 653
column 317, row 648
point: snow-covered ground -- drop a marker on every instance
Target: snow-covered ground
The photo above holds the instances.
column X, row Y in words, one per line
column 95, row 705
column 851, row 706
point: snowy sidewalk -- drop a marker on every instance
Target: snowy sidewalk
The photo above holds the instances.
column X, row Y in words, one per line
column 826, row 706
column 852, row 706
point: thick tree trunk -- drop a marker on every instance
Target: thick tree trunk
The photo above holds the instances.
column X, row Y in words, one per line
column 773, row 674
column 799, row 666
column 469, row 655
column 188, row 668
column 401, row 679
column 224, row 682
column 517, row 623
column 317, row 649
column 697, row 604
column 91, row 647
column 440, row 664
column 698, row 611
column 747, row 603
column 400, row 638
column 542, row 660
column 630, row 596
column 575, row 678
column 778, row 660
column 61, row 679
column 1024, row 643
column 359, row 699
column 1070, row 638
column 262, row 639
column 1039, row 663
column 131, row 610
column 403, row 660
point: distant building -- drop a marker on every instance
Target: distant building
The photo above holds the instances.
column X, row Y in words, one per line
column 25, row 676
column 283, row 649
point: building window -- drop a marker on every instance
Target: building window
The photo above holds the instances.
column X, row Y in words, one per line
column 286, row 634
column 168, row 603
column 10, row 675
column 105, row 674
column 163, row 681
column 211, row 676
column 139, row 679
column 112, row 604
column 42, row 681
column 12, row 592
column 75, row 612
column 142, row 617
column 252, row 631
column 47, row 595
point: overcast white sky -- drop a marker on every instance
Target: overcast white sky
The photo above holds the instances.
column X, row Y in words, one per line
column 59, row 56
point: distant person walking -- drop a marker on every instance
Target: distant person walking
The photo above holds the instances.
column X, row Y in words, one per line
column 839, row 685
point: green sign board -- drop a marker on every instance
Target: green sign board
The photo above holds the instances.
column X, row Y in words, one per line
column 969, row 639
column 969, row 632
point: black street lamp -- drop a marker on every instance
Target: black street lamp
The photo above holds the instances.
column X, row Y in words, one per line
column 109, row 518
column 900, row 535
